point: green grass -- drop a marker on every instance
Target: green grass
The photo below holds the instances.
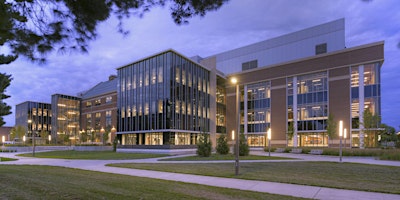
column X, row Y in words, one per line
column 382, row 154
column 92, row 155
column 325, row 174
column 224, row 157
column 3, row 159
column 46, row 182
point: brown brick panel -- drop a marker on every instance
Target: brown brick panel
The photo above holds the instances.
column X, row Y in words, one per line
column 339, row 97
column 278, row 114
column 319, row 63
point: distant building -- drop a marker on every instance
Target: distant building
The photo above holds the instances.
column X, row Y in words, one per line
column 65, row 118
column 99, row 109
column 5, row 131
column 35, row 117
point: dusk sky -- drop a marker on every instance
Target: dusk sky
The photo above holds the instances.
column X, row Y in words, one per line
column 236, row 24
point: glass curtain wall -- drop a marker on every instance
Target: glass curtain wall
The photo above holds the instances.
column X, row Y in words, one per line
column 312, row 109
column 221, row 106
column 65, row 120
column 370, row 98
column 258, row 113
column 164, row 100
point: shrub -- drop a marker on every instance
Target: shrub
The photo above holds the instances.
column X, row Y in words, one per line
column 222, row 145
column 204, row 146
column 243, row 146
column 273, row 149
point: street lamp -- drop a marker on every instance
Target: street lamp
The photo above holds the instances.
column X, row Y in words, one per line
column 33, row 137
column 235, row 82
column 269, row 141
column 340, row 136
column 49, row 139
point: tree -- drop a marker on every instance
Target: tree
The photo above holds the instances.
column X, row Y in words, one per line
column 105, row 137
column 17, row 132
column 5, row 81
column 243, row 146
column 204, row 145
column 222, row 145
column 290, row 130
column 388, row 134
column 331, row 127
column 35, row 28
column 371, row 123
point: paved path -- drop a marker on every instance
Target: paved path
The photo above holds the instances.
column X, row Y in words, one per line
column 251, row 185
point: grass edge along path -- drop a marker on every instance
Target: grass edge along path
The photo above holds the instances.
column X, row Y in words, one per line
column 92, row 155
column 4, row 159
column 215, row 157
column 32, row 182
column 351, row 176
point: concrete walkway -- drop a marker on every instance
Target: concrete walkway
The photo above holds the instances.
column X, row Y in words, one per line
column 251, row 185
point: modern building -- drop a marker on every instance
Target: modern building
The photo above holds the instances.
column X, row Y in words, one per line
column 65, row 120
column 99, row 111
column 289, row 84
column 35, row 117
column 165, row 101
column 5, row 133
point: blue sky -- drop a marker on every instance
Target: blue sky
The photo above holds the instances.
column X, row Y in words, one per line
column 236, row 24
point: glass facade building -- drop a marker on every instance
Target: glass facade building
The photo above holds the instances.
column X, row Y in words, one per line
column 35, row 117
column 65, row 120
column 163, row 100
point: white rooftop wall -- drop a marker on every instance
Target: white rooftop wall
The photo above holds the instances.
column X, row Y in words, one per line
column 285, row 48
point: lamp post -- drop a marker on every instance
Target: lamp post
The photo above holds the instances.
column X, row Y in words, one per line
column 33, row 137
column 235, row 82
column 340, row 136
column 102, row 134
column 345, row 137
column 269, row 141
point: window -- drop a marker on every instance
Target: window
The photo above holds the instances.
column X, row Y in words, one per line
column 97, row 102
column 109, row 99
column 249, row 65
column 88, row 103
column 320, row 48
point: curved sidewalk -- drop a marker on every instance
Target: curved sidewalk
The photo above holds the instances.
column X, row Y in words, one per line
column 251, row 185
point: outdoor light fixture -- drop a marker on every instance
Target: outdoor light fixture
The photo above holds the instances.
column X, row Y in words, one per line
column 233, row 135
column 345, row 136
column 340, row 137
column 269, row 141
column 235, row 81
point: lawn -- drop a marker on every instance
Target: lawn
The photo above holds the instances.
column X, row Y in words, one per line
column 3, row 159
column 326, row 174
column 46, row 182
column 224, row 157
column 92, row 155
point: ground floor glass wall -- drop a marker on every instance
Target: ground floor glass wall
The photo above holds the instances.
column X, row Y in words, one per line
column 256, row 140
column 311, row 139
column 160, row 138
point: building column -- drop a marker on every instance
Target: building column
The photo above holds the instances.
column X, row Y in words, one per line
column 295, row 140
column 361, row 103
column 245, row 119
